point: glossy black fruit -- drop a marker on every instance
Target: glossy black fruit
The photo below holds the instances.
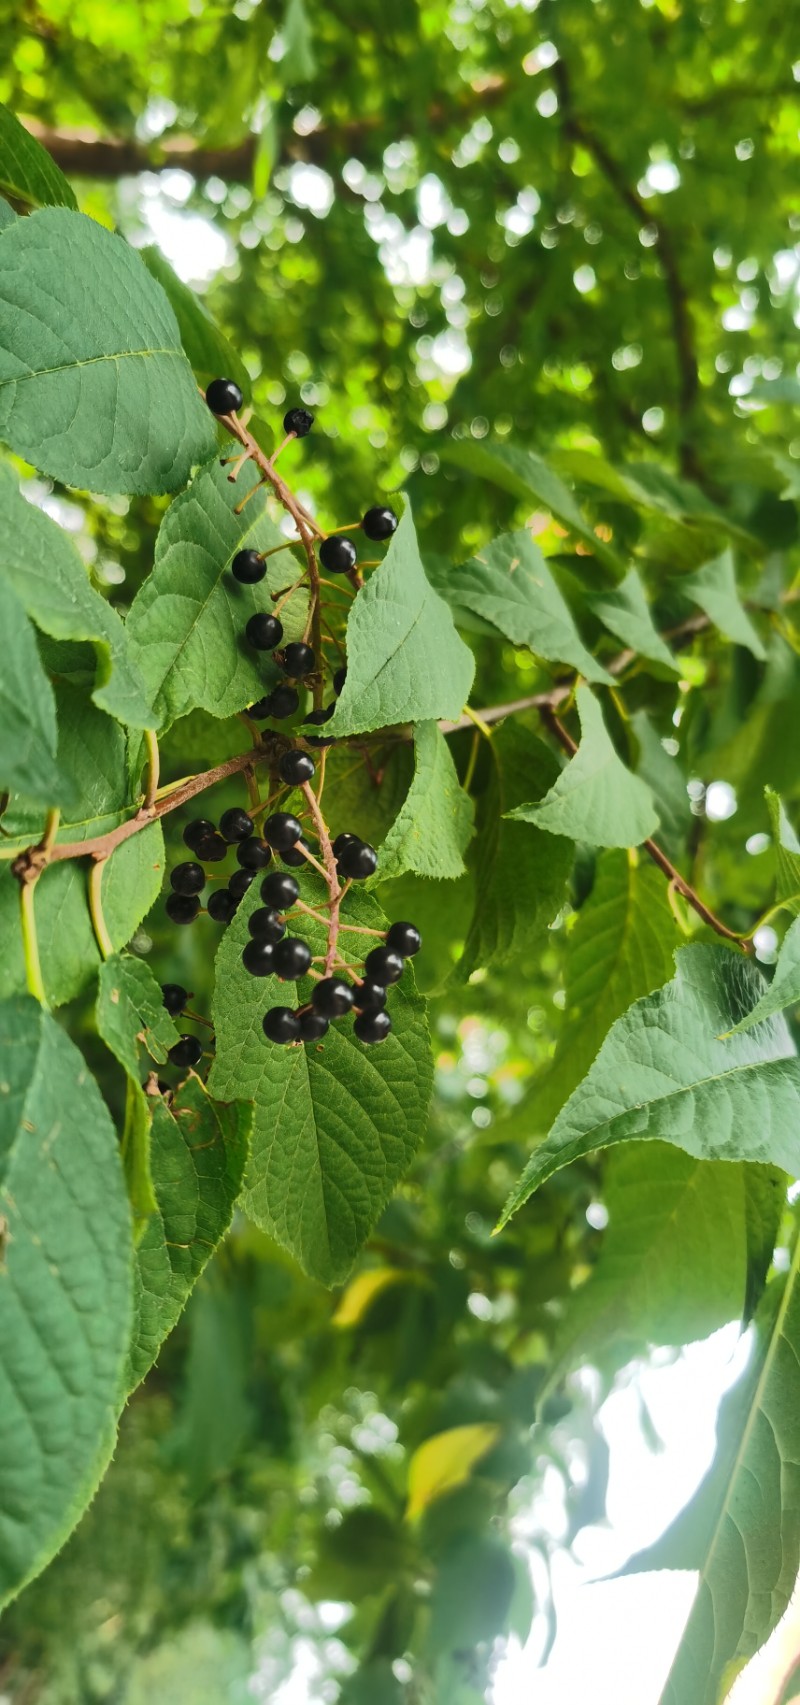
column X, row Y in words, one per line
column 174, row 996
column 298, row 659
column 281, row 1025
column 211, row 849
column 280, row 890
column 404, row 939
column 372, row 1026
column 283, row 701
column 223, row 396
column 298, row 421
column 240, row 882
column 339, row 678
column 380, row 522
column 357, row 860
column 332, row 997
column 282, row 830
column 235, row 824
column 261, row 709
column 294, row 856
column 292, row 958
column 343, row 840
column 384, row 965
column 317, row 718
column 263, row 631
column 369, row 996
column 187, row 1051
column 182, row 908
column 253, row 854
column 198, row 830
column 337, row 554
column 313, row 1026
column 188, row 878
column 266, row 924
column 221, row 905
column 257, row 958
column 296, row 767
column 248, row 567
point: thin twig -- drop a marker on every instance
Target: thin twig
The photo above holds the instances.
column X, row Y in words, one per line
column 99, row 926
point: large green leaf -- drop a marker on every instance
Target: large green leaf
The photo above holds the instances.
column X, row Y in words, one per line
column 186, row 624
column 26, row 169
column 94, row 386
column 65, row 1289
column 336, row 1124
column 42, row 565
column 520, row 872
column 596, row 798
column 130, row 1012
column 624, row 611
column 198, row 1149
column 784, row 990
column 525, row 475
column 664, row 1073
column 713, row 588
column 787, row 854
column 206, row 348
column 28, row 734
column 434, row 823
column 741, row 1529
column 509, row 585
column 405, row 661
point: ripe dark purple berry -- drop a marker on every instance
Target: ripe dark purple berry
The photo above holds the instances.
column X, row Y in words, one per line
column 372, row 1026
column 313, row 1026
column 221, row 905
column 257, row 958
column 182, row 908
column 384, row 965
column 298, row 659
column 223, row 396
column 240, row 882
column 235, row 824
column 248, row 567
column 339, row 678
column 357, row 860
column 265, row 924
column 281, row 1025
column 282, row 830
column 343, row 840
column 211, row 849
column 174, row 996
column 332, row 997
column 261, row 709
column 337, row 554
column 264, row 632
column 296, row 767
column 188, row 878
column 252, row 854
column 369, row 996
column 404, row 939
column 292, row 958
column 317, row 718
column 280, row 890
column 187, row 1051
column 283, row 701
column 379, row 523
column 198, row 830
column 294, row 856
column 298, row 421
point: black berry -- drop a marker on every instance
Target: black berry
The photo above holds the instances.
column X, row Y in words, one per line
column 281, row 1025
column 239, row 883
column 252, row 854
column 264, row 632
column 332, row 997
column 298, row 421
column 372, row 1026
column 280, row 890
column 404, row 939
column 384, row 965
column 294, row 856
column 337, row 554
column 380, row 522
column 261, row 709
column 339, row 678
column 211, row 849
column 266, row 924
column 296, row 767
column 235, row 824
column 358, row 860
column 292, row 958
column 188, row 878
column 257, row 958
column 182, row 908
column 221, row 906
column 313, row 1026
column 282, row 830
column 187, row 1051
column 223, row 396
column 248, row 567
column 343, row 840
column 283, row 701
column 298, row 659
column 198, row 830
column 174, row 997
column 369, row 996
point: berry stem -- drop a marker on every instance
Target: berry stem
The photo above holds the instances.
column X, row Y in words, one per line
column 330, row 873
column 30, row 943
column 102, row 936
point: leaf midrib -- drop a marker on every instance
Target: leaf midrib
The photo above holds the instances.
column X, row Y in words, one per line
column 88, row 361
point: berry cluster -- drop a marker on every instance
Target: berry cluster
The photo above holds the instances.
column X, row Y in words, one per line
column 271, row 952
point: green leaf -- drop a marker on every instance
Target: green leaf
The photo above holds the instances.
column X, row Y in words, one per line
column 7, row 215
column 65, row 1289
column 43, row 568
column 298, row 64
column 434, row 823
column 26, row 169
column 663, row 1073
column 520, row 872
column 335, row 1125
column 596, row 798
column 405, row 661
column 94, row 386
column 471, row 1594
column 525, row 475
column 206, row 348
column 131, row 1011
column 741, row 1529
column 445, row 1461
column 784, row 990
column 787, row 854
column 666, row 780
column 197, row 1156
column 28, row 735
column 625, row 613
column 186, row 624
column 713, row 589
column 509, row 585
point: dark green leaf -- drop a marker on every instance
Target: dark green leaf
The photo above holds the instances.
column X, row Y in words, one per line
column 26, row 169
column 596, row 798
column 27, row 711
column 434, row 824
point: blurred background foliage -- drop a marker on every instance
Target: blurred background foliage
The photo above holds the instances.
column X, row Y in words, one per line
column 571, row 226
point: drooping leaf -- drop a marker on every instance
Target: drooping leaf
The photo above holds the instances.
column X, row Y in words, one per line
column 94, row 386
column 198, row 1150
column 596, row 798
column 27, row 711
column 42, row 566
column 434, row 824
column 27, row 171
column 525, row 475
column 65, row 1289
column 405, row 661
column 784, row 990
column 663, row 1073
column 713, row 589
column 206, row 348
column 624, row 611
column 787, row 854
column 335, row 1124
column 186, row 624
column 298, row 64
column 445, row 1461
column 358, row 1297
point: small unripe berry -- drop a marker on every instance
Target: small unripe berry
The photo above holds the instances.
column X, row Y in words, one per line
column 298, row 659
column 379, row 523
column 221, row 906
column 337, row 554
column 282, row 830
column 280, row 890
column 372, row 1026
column 235, row 824
column 332, row 997
column 296, row 767
column 384, row 965
column 281, row 1025
column 264, row 632
column 223, row 396
column 182, row 908
column 298, row 421
column 188, row 878
column 248, row 567
column 174, row 996
column 292, row 958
